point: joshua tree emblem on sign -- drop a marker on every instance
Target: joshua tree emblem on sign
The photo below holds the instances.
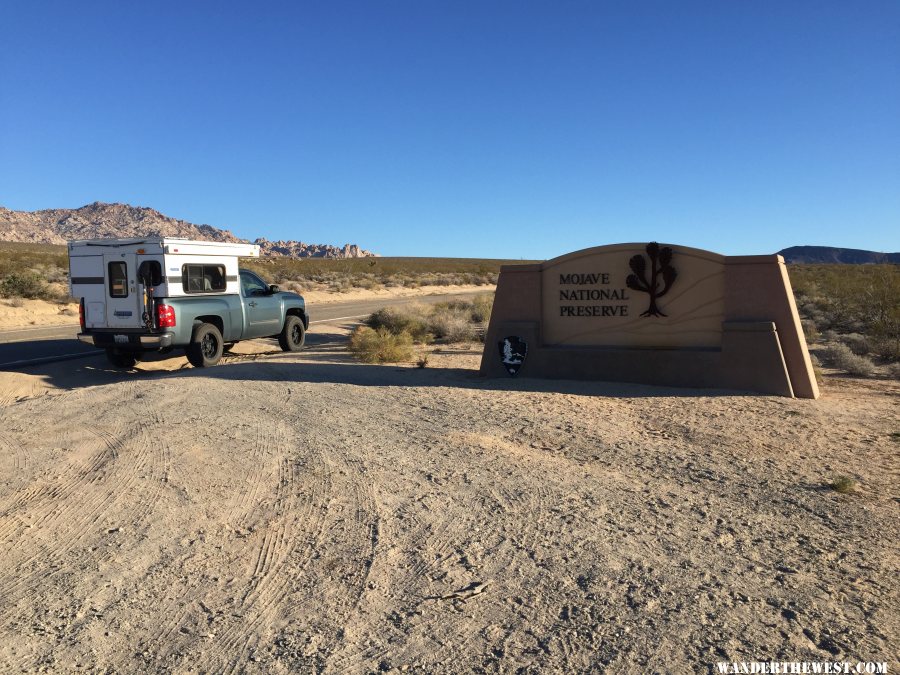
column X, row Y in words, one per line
column 660, row 266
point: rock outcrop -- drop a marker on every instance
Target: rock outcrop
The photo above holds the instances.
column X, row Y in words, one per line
column 100, row 220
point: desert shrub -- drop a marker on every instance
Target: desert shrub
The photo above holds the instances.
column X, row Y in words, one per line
column 893, row 371
column 809, row 329
column 339, row 274
column 482, row 306
column 887, row 348
column 24, row 285
column 454, row 321
column 452, row 324
column 380, row 346
column 840, row 356
column 847, row 299
column 858, row 344
column 411, row 319
column 843, row 485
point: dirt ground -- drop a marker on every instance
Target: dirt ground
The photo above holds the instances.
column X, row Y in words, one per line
column 306, row 513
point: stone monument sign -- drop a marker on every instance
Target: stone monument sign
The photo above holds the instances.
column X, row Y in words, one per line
column 655, row 314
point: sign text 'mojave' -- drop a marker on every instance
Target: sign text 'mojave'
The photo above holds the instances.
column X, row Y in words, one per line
column 634, row 295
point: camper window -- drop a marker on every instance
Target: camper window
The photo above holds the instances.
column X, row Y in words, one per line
column 118, row 281
column 150, row 273
column 203, row 278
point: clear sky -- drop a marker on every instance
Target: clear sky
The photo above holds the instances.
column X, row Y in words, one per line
column 477, row 129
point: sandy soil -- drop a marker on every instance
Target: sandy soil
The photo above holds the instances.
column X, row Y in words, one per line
column 306, row 513
column 19, row 313
column 22, row 313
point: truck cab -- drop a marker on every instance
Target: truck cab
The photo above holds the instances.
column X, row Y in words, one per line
column 162, row 293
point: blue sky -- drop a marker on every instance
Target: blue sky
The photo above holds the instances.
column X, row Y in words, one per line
column 474, row 129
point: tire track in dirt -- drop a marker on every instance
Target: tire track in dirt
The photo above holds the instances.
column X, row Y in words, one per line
column 250, row 502
column 437, row 560
column 71, row 504
column 294, row 533
column 13, row 459
column 246, row 500
column 48, row 499
column 414, row 570
column 287, row 530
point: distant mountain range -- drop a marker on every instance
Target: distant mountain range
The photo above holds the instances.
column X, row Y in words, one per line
column 828, row 254
column 100, row 220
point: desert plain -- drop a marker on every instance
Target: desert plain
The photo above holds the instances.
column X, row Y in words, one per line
column 286, row 513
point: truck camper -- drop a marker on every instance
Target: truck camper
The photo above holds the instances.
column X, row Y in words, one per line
column 161, row 293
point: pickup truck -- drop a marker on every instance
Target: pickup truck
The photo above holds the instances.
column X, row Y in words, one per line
column 161, row 294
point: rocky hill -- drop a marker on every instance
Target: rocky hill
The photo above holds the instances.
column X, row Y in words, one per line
column 829, row 254
column 98, row 220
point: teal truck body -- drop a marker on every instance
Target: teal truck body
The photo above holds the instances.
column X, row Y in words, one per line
column 162, row 294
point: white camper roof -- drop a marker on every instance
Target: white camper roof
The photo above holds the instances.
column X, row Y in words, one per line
column 167, row 245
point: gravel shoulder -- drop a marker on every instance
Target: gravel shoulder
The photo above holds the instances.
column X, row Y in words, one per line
column 296, row 513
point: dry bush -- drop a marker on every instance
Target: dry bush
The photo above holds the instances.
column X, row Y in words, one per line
column 843, row 485
column 840, row 356
column 412, row 319
column 893, row 371
column 452, row 324
column 455, row 321
column 887, row 348
column 381, row 346
column 482, row 305
column 338, row 274
column 809, row 330
column 842, row 299
column 858, row 344
column 25, row 285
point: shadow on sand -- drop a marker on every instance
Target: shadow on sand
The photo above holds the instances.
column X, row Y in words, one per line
column 325, row 360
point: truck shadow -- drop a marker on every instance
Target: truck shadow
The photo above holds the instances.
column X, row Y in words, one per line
column 325, row 360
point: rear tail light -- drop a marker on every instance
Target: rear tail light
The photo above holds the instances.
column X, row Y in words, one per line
column 81, row 313
column 165, row 316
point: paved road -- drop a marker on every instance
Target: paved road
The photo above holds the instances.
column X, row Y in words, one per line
column 31, row 346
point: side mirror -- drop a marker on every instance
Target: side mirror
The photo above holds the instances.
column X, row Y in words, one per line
column 273, row 288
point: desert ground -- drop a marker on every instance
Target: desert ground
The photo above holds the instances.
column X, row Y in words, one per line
column 307, row 513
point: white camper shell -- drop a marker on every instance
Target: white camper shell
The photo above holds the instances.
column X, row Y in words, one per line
column 118, row 277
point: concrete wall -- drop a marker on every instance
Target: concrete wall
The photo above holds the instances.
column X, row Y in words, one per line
column 762, row 348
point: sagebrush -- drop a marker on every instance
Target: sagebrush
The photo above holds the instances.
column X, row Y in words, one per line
column 455, row 321
column 381, row 346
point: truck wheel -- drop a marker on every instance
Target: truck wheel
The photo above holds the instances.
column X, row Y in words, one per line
column 206, row 348
column 292, row 335
column 120, row 359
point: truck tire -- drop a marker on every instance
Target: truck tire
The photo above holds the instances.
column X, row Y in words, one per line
column 120, row 359
column 293, row 335
column 205, row 349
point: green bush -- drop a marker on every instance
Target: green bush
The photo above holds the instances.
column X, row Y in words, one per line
column 380, row 346
column 24, row 285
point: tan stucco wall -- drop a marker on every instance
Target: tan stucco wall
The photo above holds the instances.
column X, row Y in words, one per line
column 731, row 323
